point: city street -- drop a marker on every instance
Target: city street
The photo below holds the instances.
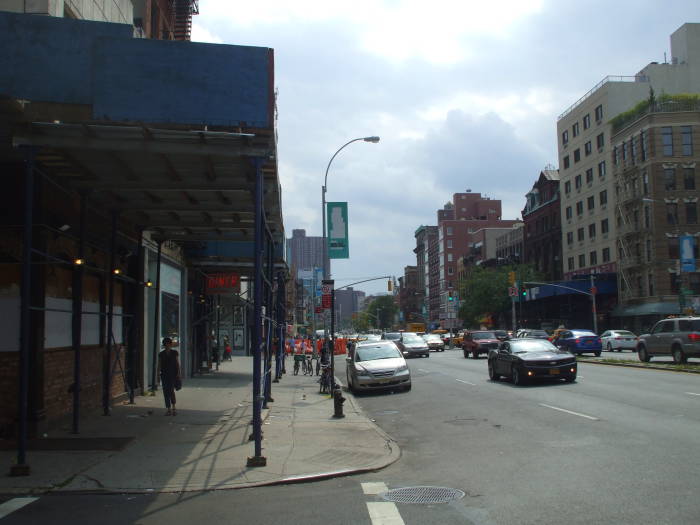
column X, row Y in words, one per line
column 615, row 447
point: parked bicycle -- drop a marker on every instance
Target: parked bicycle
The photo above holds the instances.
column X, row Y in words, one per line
column 308, row 366
column 299, row 360
column 326, row 381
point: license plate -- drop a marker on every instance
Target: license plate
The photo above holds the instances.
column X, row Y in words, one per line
column 553, row 371
column 589, row 343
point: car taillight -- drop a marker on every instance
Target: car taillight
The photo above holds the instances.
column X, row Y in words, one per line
column 578, row 340
column 618, row 338
column 694, row 337
column 599, row 340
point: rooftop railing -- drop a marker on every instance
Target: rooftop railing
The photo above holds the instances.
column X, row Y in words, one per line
column 609, row 78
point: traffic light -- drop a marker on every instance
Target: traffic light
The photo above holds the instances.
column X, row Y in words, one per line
column 449, row 296
column 523, row 292
column 390, row 285
column 511, row 278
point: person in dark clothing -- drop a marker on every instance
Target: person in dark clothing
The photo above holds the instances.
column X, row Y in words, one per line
column 169, row 373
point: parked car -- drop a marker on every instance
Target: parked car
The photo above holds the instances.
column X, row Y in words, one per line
column 392, row 336
column 478, row 342
column 533, row 333
column 502, row 335
column 678, row 338
column 579, row 342
column 377, row 365
column 412, row 345
column 522, row 359
column 619, row 340
column 434, row 342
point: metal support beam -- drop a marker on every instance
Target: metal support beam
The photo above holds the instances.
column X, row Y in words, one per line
column 156, row 322
column 257, row 460
column 137, row 332
column 77, row 320
column 107, row 381
column 21, row 468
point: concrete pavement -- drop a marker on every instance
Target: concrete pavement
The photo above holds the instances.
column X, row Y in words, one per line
column 205, row 447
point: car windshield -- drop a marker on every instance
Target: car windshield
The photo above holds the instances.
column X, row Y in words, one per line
column 374, row 352
column 484, row 335
column 623, row 332
column 520, row 347
column 537, row 333
column 583, row 333
column 392, row 336
column 410, row 338
column 433, row 337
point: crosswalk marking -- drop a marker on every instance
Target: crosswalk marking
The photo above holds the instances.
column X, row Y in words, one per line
column 14, row 504
column 372, row 489
column 384, row 513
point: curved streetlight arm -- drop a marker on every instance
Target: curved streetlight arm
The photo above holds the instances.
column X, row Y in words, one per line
column 366, row 139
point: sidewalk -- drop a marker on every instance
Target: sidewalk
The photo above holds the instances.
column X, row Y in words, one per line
column 205, row 447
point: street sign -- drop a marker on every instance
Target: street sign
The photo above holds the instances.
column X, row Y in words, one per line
column 326, row 289
column 512, row 291
column 325, row 301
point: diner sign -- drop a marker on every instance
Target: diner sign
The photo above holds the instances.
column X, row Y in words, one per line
column 223, row 282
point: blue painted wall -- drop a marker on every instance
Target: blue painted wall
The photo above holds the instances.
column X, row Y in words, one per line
column 127, row 79
column 230, row 249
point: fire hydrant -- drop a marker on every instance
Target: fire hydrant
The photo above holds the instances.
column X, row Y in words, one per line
column 338, row 401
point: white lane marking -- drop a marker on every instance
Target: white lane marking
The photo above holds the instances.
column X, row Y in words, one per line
column 692, row 394
column 372, row 489
column 423, row 370
column 466, row 382
column 570, row 412
column 384, row 513
column 14, row 504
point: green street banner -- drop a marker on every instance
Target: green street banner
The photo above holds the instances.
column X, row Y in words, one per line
column 337, row 218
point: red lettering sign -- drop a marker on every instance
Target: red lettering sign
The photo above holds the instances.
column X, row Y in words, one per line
column 223, row 282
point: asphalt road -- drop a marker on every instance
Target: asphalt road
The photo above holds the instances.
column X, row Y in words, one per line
column 618, row 446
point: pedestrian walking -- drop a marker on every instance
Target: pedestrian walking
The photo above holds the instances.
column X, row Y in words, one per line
column 169, row 373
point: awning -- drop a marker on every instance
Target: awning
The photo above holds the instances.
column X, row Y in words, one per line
column 655, row 308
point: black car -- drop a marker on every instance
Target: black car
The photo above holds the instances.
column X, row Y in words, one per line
column 522, row 359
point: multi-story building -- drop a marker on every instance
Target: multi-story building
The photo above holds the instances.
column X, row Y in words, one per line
column 656, row 153
column 542, row 231
column 458, row 223
column 347, row 303
column 424, row 236
column 584, row 132
column 409, row 296
column 510, row 246
column 304, row 253
column 433, row 302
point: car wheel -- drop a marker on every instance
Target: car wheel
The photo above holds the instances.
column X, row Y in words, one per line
column 597, row 354
column 465, row 354
column 609, row 348
column 350, row 387
column 517, row 377
column 427, row 355
column 475, row 354
column 678, row 355
column 570, row 379
column 643, row 354
column 493, row 376
column 407, row 388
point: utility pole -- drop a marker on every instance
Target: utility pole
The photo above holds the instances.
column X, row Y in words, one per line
column 595, row 311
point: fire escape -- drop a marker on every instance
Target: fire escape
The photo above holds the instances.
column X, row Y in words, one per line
column 182, row 12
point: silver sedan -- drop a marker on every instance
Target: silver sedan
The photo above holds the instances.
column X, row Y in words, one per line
column 377, row 365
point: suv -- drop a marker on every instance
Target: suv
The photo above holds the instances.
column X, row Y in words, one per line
column 678, row 337
column 479, row 342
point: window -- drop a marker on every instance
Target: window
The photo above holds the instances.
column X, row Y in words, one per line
column 651, row 283
column 672, row 213
column 450, row 270
column 600, row 141
column 633, row 150
column 588, row 148
column 591, row 202
column 624, row 151
column 449, row 243
column 614, row 155
column 603, row 197
column 565, row 137
column 449, row 230
column 582, row 260
column 589, row 175
column 577, row 182
column 673, row 248
column 689, row 178
column 667, row 141
column 579, row 207
column 449, row 257
column 643, row 144
column 591, row 231
column 599, row 113
column 648, row 250
column 606, row 255
column 569, row 213
column 601, row 168
column 645, row 182
column 567, row 186
column 670, row 179
column 587, row 121
column 604, row 227
column 570, row 263
column 686, row 141
column 593, row 258
column 569, row 237
column 574, row 129
column 577, row 154
column 566, row 162
column 691, row 213
column 647, row 217
column 580, row 235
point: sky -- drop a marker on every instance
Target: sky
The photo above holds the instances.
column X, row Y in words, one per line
column 464, row 95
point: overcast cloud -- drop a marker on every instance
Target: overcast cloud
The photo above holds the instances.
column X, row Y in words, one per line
column 464, row 95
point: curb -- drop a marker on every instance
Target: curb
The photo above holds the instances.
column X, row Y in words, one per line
column 643, row 367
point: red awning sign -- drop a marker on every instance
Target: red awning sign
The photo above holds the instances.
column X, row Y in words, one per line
column 223, row 282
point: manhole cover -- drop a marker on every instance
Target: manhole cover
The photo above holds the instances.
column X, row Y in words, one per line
column 423, row 495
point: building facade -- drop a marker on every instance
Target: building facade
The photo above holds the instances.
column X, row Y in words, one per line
column 425, row 235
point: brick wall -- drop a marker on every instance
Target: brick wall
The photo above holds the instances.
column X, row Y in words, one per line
column 58, row 371
column 9, row 369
